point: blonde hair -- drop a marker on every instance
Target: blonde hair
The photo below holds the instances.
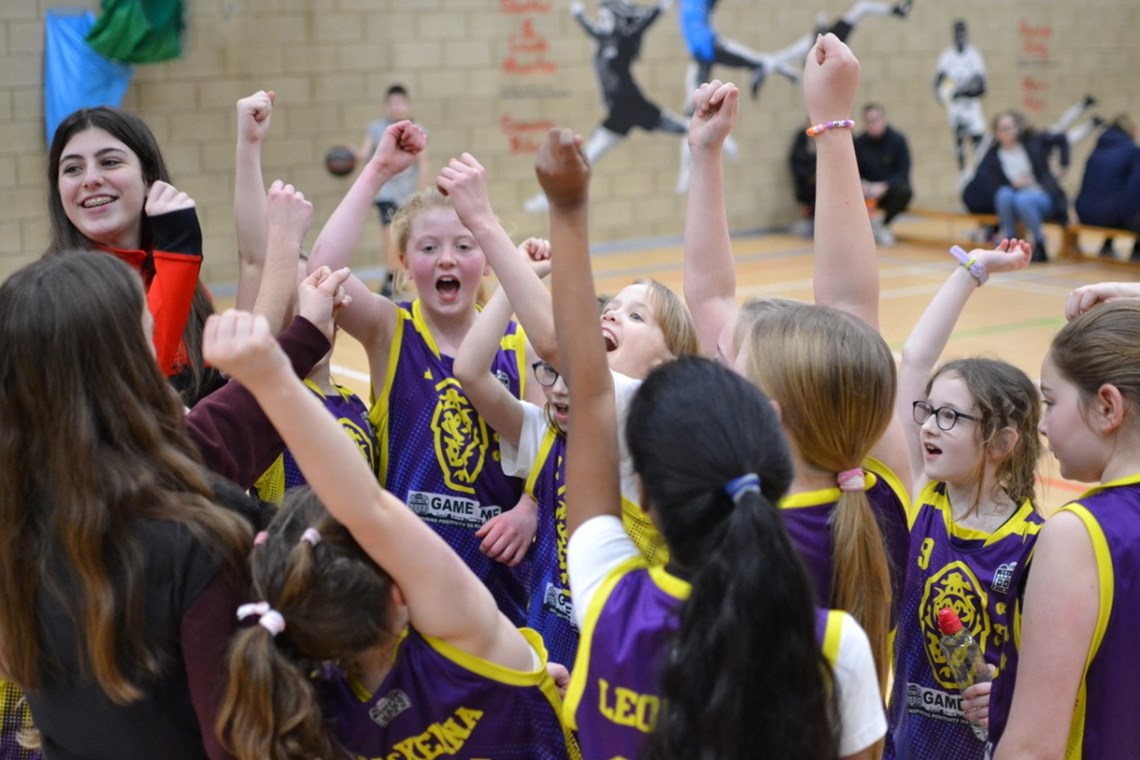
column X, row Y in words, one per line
column 752, row 310
column 676, row 323
column 1102, row 347
column 425, row 200
column 834, row 378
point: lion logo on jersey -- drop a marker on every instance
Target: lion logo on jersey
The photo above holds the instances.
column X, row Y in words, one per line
column 954, row 586
column 461, row 437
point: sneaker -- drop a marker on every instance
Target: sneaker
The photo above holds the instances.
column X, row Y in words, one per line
column 883, row 236
column 1039, row 256
column 1089, row 101
column 537, row 205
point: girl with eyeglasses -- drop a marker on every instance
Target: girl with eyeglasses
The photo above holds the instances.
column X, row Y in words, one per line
column 532, row 441
column 973, row 449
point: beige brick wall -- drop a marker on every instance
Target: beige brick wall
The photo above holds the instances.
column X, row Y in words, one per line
column 486, row 79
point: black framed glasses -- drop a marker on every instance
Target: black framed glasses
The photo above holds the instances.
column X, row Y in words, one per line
column 945, row 417
column 544, row 373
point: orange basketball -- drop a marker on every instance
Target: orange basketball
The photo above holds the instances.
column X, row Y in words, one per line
column 340, row 160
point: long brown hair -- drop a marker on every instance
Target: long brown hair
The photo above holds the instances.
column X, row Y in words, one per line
column 92, row 440
column 335, row 602
column 1006, row 398
column 834, row 378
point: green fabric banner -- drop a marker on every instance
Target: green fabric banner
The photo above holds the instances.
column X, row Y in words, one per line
column 138, row 31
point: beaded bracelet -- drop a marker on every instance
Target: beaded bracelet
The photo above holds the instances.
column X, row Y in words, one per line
column 819, row 129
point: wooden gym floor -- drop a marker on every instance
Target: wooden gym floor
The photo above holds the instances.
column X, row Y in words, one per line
column 1012, row 318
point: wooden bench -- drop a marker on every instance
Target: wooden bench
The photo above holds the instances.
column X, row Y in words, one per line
column 1070, row 233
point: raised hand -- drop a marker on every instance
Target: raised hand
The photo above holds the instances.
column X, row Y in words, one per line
column 831, row 80
column 537, row 252
column 253, row 116
column 241, row 345
column 715, row 107
column 562, row 169
column 287, row 213
column 163, row 197
column 398, row 147
column 1088, row 296
column 464, row 180
column 1009, row 256
column 321, row 295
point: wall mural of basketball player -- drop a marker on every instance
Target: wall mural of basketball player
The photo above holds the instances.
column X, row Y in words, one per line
column 618, row 30
column 707, row 47
column 789, row 60
column 959, row 84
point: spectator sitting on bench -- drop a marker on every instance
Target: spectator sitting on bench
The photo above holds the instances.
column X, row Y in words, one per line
column 1015, row 173
column 884, row 167
column 1110, row 190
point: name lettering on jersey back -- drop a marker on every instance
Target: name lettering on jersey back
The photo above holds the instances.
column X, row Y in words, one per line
column 441, row 739
column 449, row 509
column 626, row 707
column 460, row 436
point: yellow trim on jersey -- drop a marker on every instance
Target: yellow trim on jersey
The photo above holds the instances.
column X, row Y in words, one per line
column 1127, row 480
column 1017, row 523
column 544, row 448
column 833, row 635
column 901, row 492
column 359, row 690
column 379, row 410
column 644, row 533
column 422, row 328
column 1106, row 581
column 823, row 495
column 491, row 670
column 581, row 671
column 670, row 584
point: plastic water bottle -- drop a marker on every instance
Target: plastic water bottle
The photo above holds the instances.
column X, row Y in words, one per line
column 963, row 657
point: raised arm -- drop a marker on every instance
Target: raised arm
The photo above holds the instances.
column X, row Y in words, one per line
column 464, row 180
column 494, row 403
column 928, row 339
column 287, row 219
column 370, row 314
column 592, row 447
column 709, row 268
column 846, row 273
column 444, row 598
column 253, row 117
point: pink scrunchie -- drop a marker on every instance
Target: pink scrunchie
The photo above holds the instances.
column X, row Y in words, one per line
column 852, row 480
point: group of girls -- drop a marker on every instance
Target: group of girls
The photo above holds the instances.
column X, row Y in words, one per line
column 707, row 536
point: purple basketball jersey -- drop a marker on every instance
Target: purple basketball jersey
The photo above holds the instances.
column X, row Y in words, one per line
column 807, row 516
column 615, row 687
column 1104, row 723
column 550, row 610
column 974, row 574
column 440, row 702
column 439, row 456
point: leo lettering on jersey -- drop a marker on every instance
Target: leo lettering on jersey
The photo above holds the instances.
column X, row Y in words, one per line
column 626, row 707
column 448, row 509
column 442, row 739
column 460, row 436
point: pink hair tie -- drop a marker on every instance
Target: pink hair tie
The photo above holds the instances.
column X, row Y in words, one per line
column 311, row 536
column 852, row 480
column 261, row 537
column 268, row 618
